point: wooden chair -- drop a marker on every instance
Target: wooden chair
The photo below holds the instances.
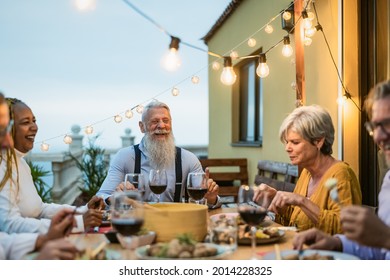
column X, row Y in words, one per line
column 229, row 173
column 280, row 175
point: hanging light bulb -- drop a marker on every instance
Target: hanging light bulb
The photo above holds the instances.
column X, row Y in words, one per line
column 307, row 41
column 89, row 129
column 311, row 15
column 287, row 50
column 306, row 20
column 44, row 147
column 118, row 118
column 269, row 29
column 228, row 77
column 251, row 42
column 68, row 139
column 139, row 109
column 129, row 114
column 286, row 15
column 195, row 80
column 175, row 91
column 172, row 61
column 216, row 65
column 262, row 70
column 84, row 5
column 310, row 32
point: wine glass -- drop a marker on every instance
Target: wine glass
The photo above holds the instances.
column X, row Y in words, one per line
column 158, row 182
column 127, row 216
column 197, row 186
column 252, row 213
column 137, row 180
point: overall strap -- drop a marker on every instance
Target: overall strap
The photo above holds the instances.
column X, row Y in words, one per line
column 178, row 170
column 179, row 175
column 137, row 163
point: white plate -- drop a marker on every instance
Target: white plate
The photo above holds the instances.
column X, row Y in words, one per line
column 335, row 255
column 141, row 253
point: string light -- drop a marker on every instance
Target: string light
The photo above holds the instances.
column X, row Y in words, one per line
column 287, row 50
column 171, row 60
column 286, row 15
column 307, row 23
column 269, row 29
column 68, row 139
column 89, row 130
column 252, row 42
column 44, row 147
column 234, row 54
column 216, row 66
column 228, row 77
column 195, row 80
column 117, row 118
column 307, row 41
column 129, row 114
column 262, row 70
column 175, row 91
column 140, row 109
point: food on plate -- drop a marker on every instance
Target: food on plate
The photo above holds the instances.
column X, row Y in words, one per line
column 184, row 246
column 261, row 233
column 314, row 256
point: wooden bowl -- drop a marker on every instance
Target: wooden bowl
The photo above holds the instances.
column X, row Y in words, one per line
column 171, row 219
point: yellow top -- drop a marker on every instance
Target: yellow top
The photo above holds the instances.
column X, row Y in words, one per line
column 349, row 192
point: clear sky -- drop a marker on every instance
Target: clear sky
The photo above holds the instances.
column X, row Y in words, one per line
column 84, row 67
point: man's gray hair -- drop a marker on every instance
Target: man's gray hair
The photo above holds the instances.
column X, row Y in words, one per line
column 152, row 105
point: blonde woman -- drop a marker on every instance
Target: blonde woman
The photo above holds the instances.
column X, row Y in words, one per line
column 308, row 136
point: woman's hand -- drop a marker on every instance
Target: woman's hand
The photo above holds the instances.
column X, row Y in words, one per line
column 264, row 195
column 212, row 187
column 59, row 249
column 283, row 199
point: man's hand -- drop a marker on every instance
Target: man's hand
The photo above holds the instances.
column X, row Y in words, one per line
column 316, row 239
column 363, row 226
column 212, row 187
column 96, row 202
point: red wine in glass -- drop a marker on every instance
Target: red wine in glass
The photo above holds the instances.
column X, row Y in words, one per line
column 252, row 216
column 127, row 227
column 158, row 189
column 196, row 194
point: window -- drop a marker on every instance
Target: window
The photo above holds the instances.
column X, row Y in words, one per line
column 248, row 105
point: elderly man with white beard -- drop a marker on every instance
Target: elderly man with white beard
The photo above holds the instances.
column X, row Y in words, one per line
column 157, row 150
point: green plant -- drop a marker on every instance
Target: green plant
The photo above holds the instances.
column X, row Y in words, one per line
column 93, row 167
column 43, row 189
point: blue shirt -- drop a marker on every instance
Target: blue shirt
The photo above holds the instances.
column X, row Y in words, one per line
column 371, row 253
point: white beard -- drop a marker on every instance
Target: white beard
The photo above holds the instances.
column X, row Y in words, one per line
column 162, row 154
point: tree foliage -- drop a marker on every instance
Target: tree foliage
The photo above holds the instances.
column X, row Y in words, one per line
column 43, row 189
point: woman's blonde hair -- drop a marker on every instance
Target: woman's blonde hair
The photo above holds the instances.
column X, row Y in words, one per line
column 10, row 155
column 312, row 123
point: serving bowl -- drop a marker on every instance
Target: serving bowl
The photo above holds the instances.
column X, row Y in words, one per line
column 169, row 220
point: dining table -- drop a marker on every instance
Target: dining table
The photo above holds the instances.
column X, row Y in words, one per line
column 95, row 241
